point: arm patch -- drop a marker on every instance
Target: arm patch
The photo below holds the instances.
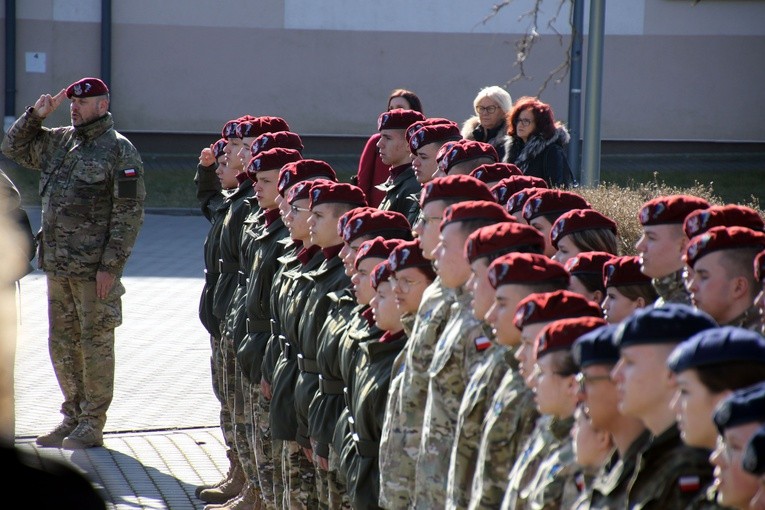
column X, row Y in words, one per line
column 127, row 183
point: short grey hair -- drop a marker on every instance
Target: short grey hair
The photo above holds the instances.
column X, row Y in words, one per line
column 498, row 95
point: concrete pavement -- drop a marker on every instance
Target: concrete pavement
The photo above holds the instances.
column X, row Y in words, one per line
column 162, row 437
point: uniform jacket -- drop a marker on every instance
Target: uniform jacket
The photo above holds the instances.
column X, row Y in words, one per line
column 497, row 137
column 398, row 192
column 671, row 289
column 92, row 189
column 609, row 488
column 543, row 158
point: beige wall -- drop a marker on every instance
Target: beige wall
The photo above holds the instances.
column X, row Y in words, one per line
column 181, row 68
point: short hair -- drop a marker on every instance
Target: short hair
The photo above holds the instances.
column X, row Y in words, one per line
column 543, row 116
column 411, row 98
column 740, row 262
column 545, row 286
column 597, row 239
column 639, row 290
column 496, row 94
column 563, row 363
column 730, row 376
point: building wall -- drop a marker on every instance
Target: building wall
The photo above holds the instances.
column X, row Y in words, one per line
column 673, row 70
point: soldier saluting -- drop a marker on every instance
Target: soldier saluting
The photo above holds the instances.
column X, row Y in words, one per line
column 91, row 183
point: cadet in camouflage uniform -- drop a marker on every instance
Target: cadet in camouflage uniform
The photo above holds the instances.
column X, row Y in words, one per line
column 699, row 364
column 596, row 355
column 394, row 151
column 721, row 277
column 91, row 183
column 663, row 243
column 669, row 474
column 483, row 247
column 215, row 180
column 511, row 413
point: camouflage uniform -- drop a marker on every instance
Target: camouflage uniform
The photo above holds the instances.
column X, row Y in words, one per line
column 455, row 358
column 750, row 319
column 474, row 406
column 398, row 461
column 548, row 436
column 671, row 289
column 707, row 500
column 399, row 188
column 328, row 403
column 609, row 488
column 92, row 188
column 506, row 427
column 367, row 409
column 669, row 474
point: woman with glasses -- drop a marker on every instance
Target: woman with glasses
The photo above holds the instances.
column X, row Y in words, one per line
column 488, row 125
column 537, row 142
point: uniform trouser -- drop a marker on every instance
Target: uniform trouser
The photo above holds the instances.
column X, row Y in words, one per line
column 269, row 473
column 336, row 493
column 322, row 495
column 299, row 477
column 235, row 399
column 81, row 345
column 218, row 384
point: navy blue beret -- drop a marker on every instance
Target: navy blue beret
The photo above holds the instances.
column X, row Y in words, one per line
column 754, row 456
column 667, row 324
column 746, row 405
column 596, row 347
column 727, row 344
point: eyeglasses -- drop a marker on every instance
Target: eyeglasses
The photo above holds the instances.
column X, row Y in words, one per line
column 523, row 122
column 486, row 109
column 296, row 209
column 404, row 285
column 425, row 219
column 582, row 379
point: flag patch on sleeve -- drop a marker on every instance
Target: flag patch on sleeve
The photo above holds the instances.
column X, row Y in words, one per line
column 129, row 172
column 482, row 343
column 689, row 483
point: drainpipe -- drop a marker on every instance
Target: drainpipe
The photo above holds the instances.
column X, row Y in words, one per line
column 10, row 64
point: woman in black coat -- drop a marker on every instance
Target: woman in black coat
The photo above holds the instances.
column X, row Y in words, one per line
column 538, row 142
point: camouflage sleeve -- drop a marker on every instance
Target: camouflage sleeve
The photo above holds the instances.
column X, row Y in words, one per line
column 128, row 195
column 28, row 142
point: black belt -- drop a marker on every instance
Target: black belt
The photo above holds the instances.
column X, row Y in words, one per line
column 242, row 278
column 364, row 447
column 211, row 277
column 331, row 386
column 228, row 267
column 258, row 326
column 307, row 364
column 286, row 348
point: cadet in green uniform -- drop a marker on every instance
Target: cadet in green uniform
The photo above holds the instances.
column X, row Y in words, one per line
column 91, row 183
column 662, row 245
column 708, row 367
column 405, row 423
column 721, row 280
column 669, row 474
column 464, row 156
column 596, row 355
column 394, row 151
column 425, row 139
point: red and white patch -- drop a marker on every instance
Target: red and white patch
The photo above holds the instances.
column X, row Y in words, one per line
column 689, row 483
column 130, row 172
column 482, row 343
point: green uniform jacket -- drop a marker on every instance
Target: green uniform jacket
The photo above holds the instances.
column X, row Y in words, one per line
column 290, row 311
column 329, row 277
column 367, row 408
column 669, row 474
column 671, row 289
column 92, row 189
column 609, row 488
column 398, row 192
column 328, row 402
column 261, row 259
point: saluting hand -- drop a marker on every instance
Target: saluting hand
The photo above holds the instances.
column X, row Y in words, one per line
column 207, row 158
column 47, row 104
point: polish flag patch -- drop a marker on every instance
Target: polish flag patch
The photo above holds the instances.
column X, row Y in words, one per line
column 482, row 343
column 689, row 483
column 130, row 172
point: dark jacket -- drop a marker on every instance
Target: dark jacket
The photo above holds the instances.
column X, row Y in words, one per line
column 497, row 137
column 398, row 193
column 546, row 159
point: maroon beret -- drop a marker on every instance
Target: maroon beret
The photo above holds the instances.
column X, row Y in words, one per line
column 435, row 133
column 555, row 202
column 381, row 273
column 669, row 209
column 408, row 254
column 455, row 187
column 759, row 266
column 524, row 268
column 329, row 192
column 495, row 172
column 474, row 210
column 577, row 220
column 432, row 121
column 509, row 186
column 731, row 215
column 722, row 238
column 503, row 237
column 273, row 159
column 466, row 150
column 372, row 222
column 301, row 190
column 284, row 139
column 261, row 125
column 302, row 170
column 398, row 118
column 623, row 271
column 343, row 220
column 561, row 334
column 378, row 247
column 87, row 87
column 588, row 262
column 217, row 147
column 553, row 306
column 518, row 199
